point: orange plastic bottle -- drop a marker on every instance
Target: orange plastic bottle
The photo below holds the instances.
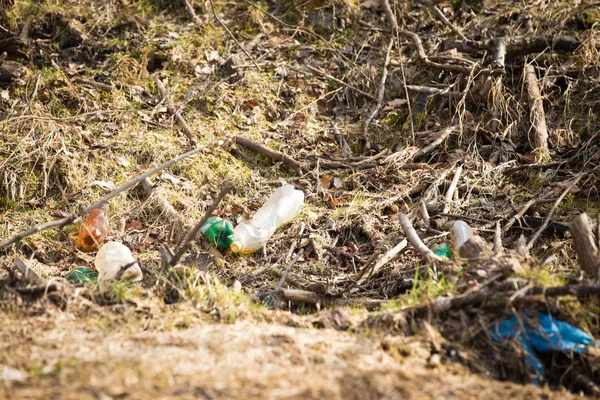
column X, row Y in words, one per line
column 93, row 230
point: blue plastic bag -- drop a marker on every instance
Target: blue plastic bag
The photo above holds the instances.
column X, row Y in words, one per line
column 547, row 335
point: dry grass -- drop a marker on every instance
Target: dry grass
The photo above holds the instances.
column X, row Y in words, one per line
column 62, row 145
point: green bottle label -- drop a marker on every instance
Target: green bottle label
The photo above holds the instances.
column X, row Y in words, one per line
column 81, row 275
column 218, row 231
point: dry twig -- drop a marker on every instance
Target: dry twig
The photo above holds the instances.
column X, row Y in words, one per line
column 551, row 212
column 194, row 231
column 212, row 7
column 173, row 111
column 383, row 260
column 416, row 241
column 537, row 115
column 272, row 154
column 75, row 217
column 380, row 93
column 585, row 245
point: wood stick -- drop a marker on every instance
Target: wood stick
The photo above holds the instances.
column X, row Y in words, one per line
column 190, row 9
column 212, row 7
column 585, row 245
column 37, row 290
column 94, row 84
column 415, row 240
column 272, row 154
column 440, row 15
column 498, row 249
column 443, row 135
column 194, row 231
column 334, row 79
column 452, row 189
column 173, row 111
column 287, row 271
column 28, row 273
column 304, row 296
column 537, row 115
column 75, row 217
column 380, row 93
column 383, row 260
column 554, row 207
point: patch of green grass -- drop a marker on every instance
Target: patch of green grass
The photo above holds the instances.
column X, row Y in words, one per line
column 426, row 290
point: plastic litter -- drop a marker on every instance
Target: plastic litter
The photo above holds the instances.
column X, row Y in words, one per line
column 81, row 275
column 283, row 205
column 461, row 232
column 111, row 257
column 218, row 231
column 544, row 334
column 442, row 250
column 93, row 230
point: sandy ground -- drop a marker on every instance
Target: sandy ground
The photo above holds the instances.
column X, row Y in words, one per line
column 64, row 358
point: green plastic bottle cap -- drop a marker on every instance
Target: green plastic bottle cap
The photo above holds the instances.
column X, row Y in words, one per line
column 218, row 231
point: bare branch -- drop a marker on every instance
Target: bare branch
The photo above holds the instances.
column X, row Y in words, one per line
column 75, row 217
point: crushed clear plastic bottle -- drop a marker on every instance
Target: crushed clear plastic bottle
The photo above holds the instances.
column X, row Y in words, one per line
column 283, row 205
column 111, row 257
column 461, row 233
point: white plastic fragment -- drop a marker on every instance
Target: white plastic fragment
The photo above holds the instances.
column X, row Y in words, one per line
column 109, row 260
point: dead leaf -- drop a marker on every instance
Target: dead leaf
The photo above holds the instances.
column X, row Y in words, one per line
column 282, row 71
column 108, row 185
column 251, row 104
column 325, row 182
column 300, row 117
column 168, row 177
column 337, row 182
column 212, row 56
column 335, row 202
column 133, row 225
column 375, row 4
column 122, row 160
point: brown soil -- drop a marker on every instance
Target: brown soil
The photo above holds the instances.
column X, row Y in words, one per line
column 70, row 359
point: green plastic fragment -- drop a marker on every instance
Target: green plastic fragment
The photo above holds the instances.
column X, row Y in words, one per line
column 218, row 231
column 442, row 250
column 81, row 275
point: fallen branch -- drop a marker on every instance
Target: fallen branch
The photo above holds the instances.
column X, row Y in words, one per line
column 551, row 212
column 272, row 154
column 287, row 271
column 416, row 241
column 28, row 273
column 37, row 290
column 452, row 189
column 303, row 296
column 537, row 115
column 440, row 15
column 97, row 85
column 443, row 135
column 383, row 260
column 380, row 93
column 194, row 231
column 212, row 7
column 190, row 9
column 519, row 45
column 163, row 204
column 585, row 245
column 173, row 111
column 75, row 217
column 334, row 79
column 498, row 50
